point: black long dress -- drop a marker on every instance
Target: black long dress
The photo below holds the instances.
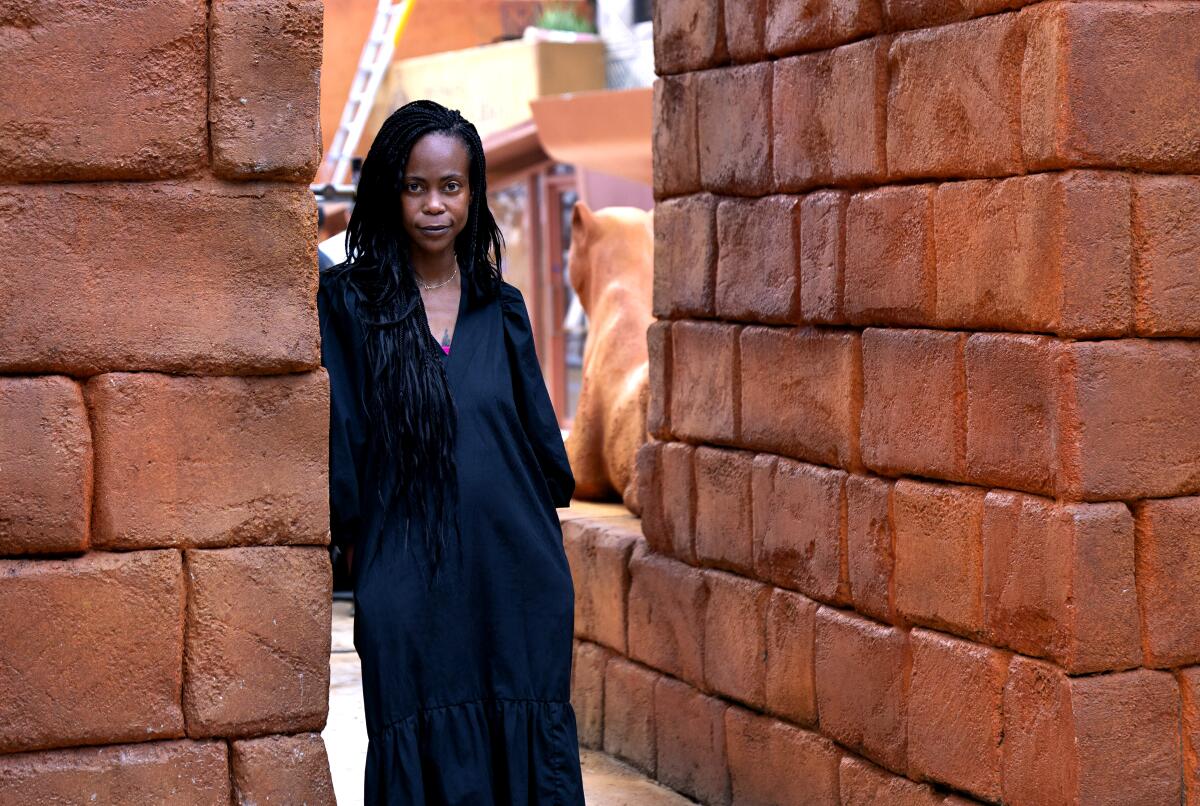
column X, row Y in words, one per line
column 466, row 684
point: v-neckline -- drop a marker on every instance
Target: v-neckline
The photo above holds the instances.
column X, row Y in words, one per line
column 459, row 318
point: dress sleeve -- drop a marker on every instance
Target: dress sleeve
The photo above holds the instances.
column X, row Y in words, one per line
column 533, row 401
column 346, row 418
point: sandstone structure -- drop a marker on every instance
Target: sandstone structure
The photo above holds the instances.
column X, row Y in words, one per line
column 163, row 572
column 919, row 520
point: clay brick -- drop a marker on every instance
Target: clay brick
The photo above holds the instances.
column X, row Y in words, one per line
column 1012, row 411
column 869, row 539
column 790, row 683
column 1104, row 739
column 745, row 30
column 822, row 255
column 97, row 656
column 954, row 106
column 180, row 772
column 704, row 378
column 801, row 391
column 734, row 129
column 862, row 671
column 679, row 500
column 231, row 270
column 207, row 462
column 794, row 27
column 1129, row 430
column 1168, row 579
column 658, row 406
column 911, row 14
column 587, row 691
column 914, row 402
column 257, row 640
column 685, row 256
column 758, row 263
column 1059, row 581
column 688, row 35
column 724, row 533
column 140, row 65
column 676, row 141
column 955, row 722
column 264, row 88
column 1049, row 252
column 772, row 762
column 1165, row 212
column 889, row 277
column 734, row 638
column 599, row 554
column 801, row 535
column 939, row 555
column 667, row 602
column 282, row 769
column 828, row 113
column 690, row 742
column 629, row 713
column 649, row 481
column 1189, row 688
column 45, row 466
column 864, row 784
column 1093, row 91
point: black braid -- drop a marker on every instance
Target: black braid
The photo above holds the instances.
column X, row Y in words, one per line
column 409, row 403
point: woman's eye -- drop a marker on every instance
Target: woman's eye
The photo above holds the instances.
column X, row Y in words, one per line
column 452, row 186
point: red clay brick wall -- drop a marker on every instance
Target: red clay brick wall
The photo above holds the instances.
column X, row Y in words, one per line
column 922, row 512
column 163, row 576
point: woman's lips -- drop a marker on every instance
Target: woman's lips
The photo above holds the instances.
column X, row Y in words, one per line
column 438, row 230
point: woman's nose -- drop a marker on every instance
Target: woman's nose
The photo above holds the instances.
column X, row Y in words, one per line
column 433, row 203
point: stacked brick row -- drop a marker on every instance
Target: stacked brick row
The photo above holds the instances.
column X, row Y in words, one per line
column 163, row 414
column 921, row 510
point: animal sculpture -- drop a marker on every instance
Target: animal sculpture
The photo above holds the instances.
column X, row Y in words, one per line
column 611, row 266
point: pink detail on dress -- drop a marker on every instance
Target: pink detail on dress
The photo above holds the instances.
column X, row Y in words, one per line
column 446, row 349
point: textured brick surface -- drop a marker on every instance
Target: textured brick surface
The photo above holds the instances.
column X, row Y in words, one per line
column 206, row 462
column 1049, row 252
column 735, row 646
column 1189, row 688
column 800, row 531
column 599, row 554
column 758, row 267
column 955, row 99
column 745, row 29
column 140, row 64
column 629, row 713
column 828, row 111
column 282, row 769
column 691, row 742
column 180, row 772
column 772, row 762
column 45, row 466
column 733, row 122
column 801, row 390
column 685, row 256
column 93, row 650
column 790, row 684
column 679, row 499
column 231, row 271
column 793, row 27
column 1166, row 214
column 667, row 601
column 862, row 683
column 1104, row 739
column 704, row 376
column 257, row 640
column 689, row 34
column 265, row 67
column 864, row 784
column 587, row 691
column 1168, row 575
column 1093, row 88
column 675, row 139
column 939, row 555
column 724, row 530
column 658, row 407
column 890, row 256
column 955, row 722
column 869, row 550
column 914, row 402
column 822, row 255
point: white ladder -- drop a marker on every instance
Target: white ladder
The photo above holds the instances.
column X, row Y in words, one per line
column 372, row 67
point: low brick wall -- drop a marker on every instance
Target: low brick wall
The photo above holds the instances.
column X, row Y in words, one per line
column 163, row 415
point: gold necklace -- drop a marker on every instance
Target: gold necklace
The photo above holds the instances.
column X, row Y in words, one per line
column 428, row 287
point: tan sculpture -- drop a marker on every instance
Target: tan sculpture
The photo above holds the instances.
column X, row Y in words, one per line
column 612, row 270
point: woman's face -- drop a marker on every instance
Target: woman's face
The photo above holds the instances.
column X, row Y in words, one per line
column 435, row 194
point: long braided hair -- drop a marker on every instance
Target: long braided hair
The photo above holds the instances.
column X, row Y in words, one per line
column 409, row 405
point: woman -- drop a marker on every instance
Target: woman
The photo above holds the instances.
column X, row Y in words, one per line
column 446, row 464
